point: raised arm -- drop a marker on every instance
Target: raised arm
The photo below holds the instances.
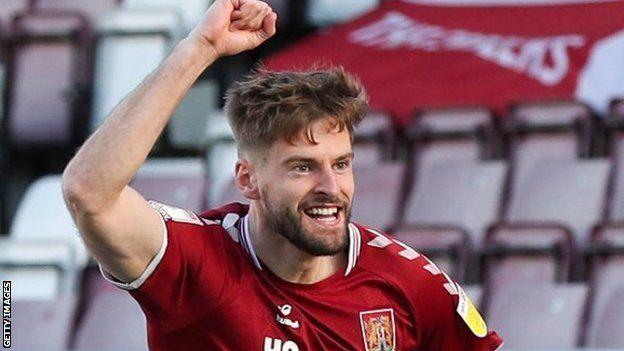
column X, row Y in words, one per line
column 119, row 228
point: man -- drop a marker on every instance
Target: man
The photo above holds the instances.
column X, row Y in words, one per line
column 288, row 272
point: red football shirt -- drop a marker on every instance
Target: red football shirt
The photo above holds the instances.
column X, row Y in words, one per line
column 207, row 290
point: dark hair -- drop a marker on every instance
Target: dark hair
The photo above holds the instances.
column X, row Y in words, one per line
column 267, row 106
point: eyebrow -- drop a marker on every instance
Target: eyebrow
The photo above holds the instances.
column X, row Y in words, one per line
column 292, row 159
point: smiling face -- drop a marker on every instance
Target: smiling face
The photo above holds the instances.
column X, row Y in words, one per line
column 306, row 188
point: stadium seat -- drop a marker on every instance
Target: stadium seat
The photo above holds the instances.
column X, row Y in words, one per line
column 464, row 194
column 325, row 12
column 522, row 254
column 448, row 247
column 179, row 182
column 538, row 316
column 191, row 10
column 39, row 269
column 112, row 321
column 8, row 9
column 43, row 203
column 42, row 324
column 616, row 107
column 475, row 292
column 606, row 317
column 46, row 62
column 544, row 131
column 615, row 137
column 188, row 126
column 2, row 82
column 44, row 262
column 131, row 44
column 377, row 194
column 568, row 192
column 92, row 8
column 231, row 194
column 221, row 156
column 448, row 134
column 548, row 220
column 374, row 139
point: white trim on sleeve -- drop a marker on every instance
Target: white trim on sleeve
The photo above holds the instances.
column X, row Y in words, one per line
column 133, row 285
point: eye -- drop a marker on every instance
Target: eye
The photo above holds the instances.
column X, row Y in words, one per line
column 302, row 168
column 341, row 165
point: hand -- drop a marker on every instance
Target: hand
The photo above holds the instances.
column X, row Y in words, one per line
column 233, row 26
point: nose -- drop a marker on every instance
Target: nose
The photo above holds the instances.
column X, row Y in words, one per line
column 327, row 183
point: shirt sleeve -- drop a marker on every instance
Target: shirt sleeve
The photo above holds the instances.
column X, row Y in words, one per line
column 186, row 278
column 447, row 320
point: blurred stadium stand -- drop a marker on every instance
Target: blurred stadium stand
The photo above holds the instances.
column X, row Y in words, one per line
column 524, row 207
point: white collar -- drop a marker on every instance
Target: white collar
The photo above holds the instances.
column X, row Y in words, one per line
column 355, row 244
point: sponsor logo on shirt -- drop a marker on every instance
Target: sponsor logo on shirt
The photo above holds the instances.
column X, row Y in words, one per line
column 378, row 330
column 275, row 344
column 285, row 310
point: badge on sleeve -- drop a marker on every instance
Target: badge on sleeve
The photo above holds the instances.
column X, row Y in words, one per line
column 175, row 214
column 470, row 315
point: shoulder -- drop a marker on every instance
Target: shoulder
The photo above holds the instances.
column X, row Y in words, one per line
column 435, row 298
column 186, row 225
column 396, row 261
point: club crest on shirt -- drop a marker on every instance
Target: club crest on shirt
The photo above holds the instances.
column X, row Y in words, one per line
column 378, row 330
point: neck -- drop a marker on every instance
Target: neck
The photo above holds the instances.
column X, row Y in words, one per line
column 286, row 260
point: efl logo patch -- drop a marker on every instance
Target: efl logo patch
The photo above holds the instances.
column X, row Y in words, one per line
column 378, row 330
column 470, row 315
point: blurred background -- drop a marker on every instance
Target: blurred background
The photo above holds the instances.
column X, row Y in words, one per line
column 495, row 145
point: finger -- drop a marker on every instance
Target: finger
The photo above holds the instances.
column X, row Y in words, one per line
column 268, row 26
column 256, row 22
column 253, row 9
column 236, row 15
column 238, row 25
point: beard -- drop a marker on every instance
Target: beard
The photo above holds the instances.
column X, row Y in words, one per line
column 283, row 220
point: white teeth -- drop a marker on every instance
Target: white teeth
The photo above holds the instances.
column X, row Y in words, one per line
column 324, row 211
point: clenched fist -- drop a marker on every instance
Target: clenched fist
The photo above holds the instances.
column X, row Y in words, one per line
column 233, row 26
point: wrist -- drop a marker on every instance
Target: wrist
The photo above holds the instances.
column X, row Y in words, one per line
column 201, row 52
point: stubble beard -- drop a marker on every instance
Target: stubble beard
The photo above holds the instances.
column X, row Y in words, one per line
column 288, row 223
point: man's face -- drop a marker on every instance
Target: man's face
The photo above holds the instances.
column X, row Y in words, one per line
column 306, row 190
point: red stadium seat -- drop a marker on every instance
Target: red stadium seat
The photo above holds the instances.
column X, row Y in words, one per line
column 606, row 316
column 538, row 316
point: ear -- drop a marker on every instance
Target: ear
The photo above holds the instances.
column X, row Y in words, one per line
column 246, row 180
